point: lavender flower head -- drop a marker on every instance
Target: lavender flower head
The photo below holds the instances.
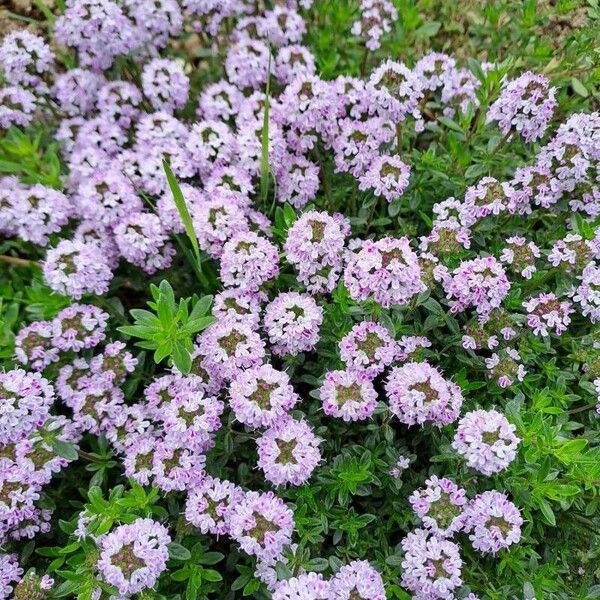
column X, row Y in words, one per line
column 526, row 104
column 587, row 294
column 261, row 396
column 348, row 395
column 431, row 566
column 10, row 574
column 520, row 255
column 292, row 323
column 262, row 525
column 388, row 177
column 165, row 84
column 17, row 106
column 486, row 440
column 308, row 586
column 376, row 19
column 417, row 393
column 75, row 268
column 440, row 506
column 209, row 503
column 79, row 326
column 35, row 347
column 546, row 312
column 25, row 58
column 133, row 556
column 368, row 348
column 357, row 579
column 288, row 452
column 493, row 522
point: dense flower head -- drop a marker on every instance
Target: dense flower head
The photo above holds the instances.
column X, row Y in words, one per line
column 165, row 84
column 176, row 464
column 232, row 345
column 431, row 567
column 520, row 254
column 210, row 142
column 209, row 503
column 488, row 197
column 72, row 378
column 25, row 401
column 288, row 452
column 238, row 303
column 248, row 260
column 17, row 106
column 293, row 61
column 114, row 363
column 291, row 322
column 25, row 58
column 526, row 104
column 76, row 268
column 376, row 18
column 119, row 101
column 546, row 312
column 357, row 579
column 35, row 347
column 76, row 91
column 261, row 396
column 480, row 283
column 440, row 506
column 298, row 181
column 33, row 587
column 388, row 177
column 411, row 347
column 486, row 440
column 40, row 211
column 262, row 525
column 308, row 586
column 386, row 270
column 79, row 326
column 314, row 246
column 572, row 253
column 417, row 393
column 133, row 556
column 505, row 366
column 10, row 573
column 348, row 395
column 142, row 241
column 587, row 293
column 247, row 63
column 493, row 522
column 368, row 348
column 98, row 29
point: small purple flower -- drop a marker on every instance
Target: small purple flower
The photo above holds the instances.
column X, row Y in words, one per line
column 288, row 452
column 368, row 348
column 231, row 345
column 348, row 395
column 293, row 61
column 115, row 362
column 238, row 304
column 292, row 323
column 260, row 396
column 247, row 64
column 587, row 294
column 308, row 586
column 119, row 101
column 480, row 283
column 504, row 366
column 10, row 574
column 133, row 556
column 388, row 177
column 546, row 312
column 76, row 91
column 486, row 440
column 262, row 525
column 493, row 521
column 357, row 579
column 526, row 104
column 440, row 506
column 431, row 567
column 521, row 255
column 248, row 260
column 209, row 503
column 79, row 326
column 410, row 347
column 314, row 246
column 17, row 106
column 376, row 18
column 572, row 253
column 297, row 181
column 401, row 464
column 25, row 58
column 386, row 269
column 35, row 347
column 165, row 84
column 25, row 401
column 417, row 393
column 75, row 268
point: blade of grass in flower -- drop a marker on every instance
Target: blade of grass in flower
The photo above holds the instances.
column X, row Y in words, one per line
column 50, row 16
column 264, row 159
column 183, row 212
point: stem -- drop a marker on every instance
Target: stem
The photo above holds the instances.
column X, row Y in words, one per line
column 324, row 178
column 501, row 144
column 363, row 62
column 18, row 262
column 88, row 456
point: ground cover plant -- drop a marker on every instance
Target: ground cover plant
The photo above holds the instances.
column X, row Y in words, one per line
column 299, row 300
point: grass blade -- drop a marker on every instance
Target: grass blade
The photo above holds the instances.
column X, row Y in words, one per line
column 264, row 159
column 183, row 212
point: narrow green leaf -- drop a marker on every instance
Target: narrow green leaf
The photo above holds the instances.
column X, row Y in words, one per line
column 183, row 212
column 65, row 449
column 264, row 159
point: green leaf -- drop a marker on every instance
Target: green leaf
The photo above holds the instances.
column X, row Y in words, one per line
column 182, row 358
column 579, row 88
column 65, row 449
column 428, row 29
column 178, row 552
column 264, row 158
column 183, row 213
